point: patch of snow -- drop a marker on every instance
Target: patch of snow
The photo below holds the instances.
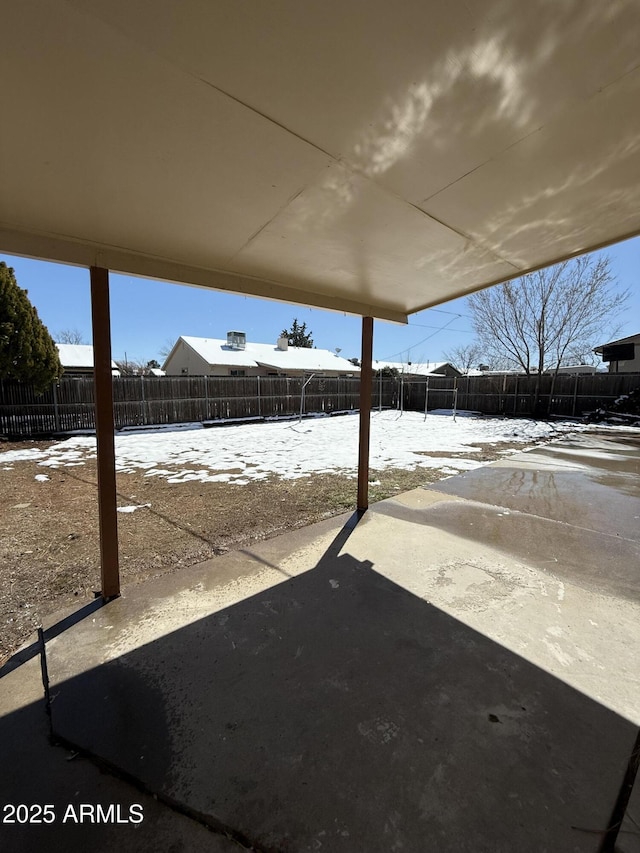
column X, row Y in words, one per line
column 42, row 478
column 246, row 453
column 132, row 508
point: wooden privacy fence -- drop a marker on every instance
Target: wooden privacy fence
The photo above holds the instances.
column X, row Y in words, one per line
column 565, row 395
column 146, row 401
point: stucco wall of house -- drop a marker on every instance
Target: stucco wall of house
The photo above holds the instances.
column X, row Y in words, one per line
column 184, row 361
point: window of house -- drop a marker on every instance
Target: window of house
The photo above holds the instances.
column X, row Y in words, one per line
column 237, row 373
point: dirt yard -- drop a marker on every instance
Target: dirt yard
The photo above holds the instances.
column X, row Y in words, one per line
column 49, row 554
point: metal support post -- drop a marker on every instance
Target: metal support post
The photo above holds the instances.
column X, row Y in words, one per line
column 107, row 501
column 366, row 378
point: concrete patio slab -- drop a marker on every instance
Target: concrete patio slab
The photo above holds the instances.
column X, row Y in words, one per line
column 456, row 671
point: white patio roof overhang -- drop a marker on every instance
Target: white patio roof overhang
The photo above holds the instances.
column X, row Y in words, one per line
column 370, row 157
column 375, row 158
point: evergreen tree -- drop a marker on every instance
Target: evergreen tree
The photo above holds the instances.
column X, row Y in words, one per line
column 27, row 351
column 297, row 335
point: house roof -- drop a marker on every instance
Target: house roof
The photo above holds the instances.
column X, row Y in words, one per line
column 78, row 355
column 215, row 351
column 632, row 339
column 374, row 162
column 429, row 368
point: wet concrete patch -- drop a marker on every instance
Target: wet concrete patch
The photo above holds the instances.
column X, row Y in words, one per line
column 577, row 488
column 603, row 563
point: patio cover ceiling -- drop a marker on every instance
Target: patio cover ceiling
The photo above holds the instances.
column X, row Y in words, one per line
column 361, row 155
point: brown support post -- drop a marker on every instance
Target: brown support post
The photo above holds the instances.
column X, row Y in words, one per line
column 366, row 377
column 102, row 380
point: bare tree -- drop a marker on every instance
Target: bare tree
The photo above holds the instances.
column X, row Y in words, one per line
column 464, row 357
column 166, row 348
column 69, row 336
column 539, row 321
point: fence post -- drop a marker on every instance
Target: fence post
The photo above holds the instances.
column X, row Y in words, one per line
column 56, row 411
column 206, row 396
column 142, row 406
column 259, row 400
column 575, row 394
column 515, row 396
column 426, row 398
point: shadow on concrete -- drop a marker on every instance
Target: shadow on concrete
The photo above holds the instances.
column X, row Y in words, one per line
column 33, row 649
column 338, row 711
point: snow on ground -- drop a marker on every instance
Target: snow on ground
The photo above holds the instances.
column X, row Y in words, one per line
column 242, row 453
column 133, row 507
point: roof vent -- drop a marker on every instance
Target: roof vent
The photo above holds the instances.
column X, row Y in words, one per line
column 236, row 340
column 283, row 343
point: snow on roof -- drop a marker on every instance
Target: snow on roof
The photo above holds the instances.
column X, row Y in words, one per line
column 155, row 371
column 215, row 351
column 416, row 368
column 78, row 355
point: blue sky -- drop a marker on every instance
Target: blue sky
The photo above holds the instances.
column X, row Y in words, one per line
column 148, row 314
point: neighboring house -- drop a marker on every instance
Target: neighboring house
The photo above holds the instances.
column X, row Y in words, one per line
column 155, row 371
column 623, row 355
column 415, row 368
column 236, row 356
column 572, row 369
column 77, row 360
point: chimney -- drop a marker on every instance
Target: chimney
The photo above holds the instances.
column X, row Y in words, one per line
column 283, row 344
column 236, row 340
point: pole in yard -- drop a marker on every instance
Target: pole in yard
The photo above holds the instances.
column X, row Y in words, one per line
column 379, row 390
column 103, row 388
column 366, row 378
column 258, row 393
column 455, row 401
column 575, row 395
column 426, row 398
column 302, row 396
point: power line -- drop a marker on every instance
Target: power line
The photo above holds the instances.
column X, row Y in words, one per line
column 424, row 340
column 422, row 326
column 442, row 311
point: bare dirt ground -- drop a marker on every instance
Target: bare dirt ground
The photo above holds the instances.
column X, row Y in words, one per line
column 49, row 555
